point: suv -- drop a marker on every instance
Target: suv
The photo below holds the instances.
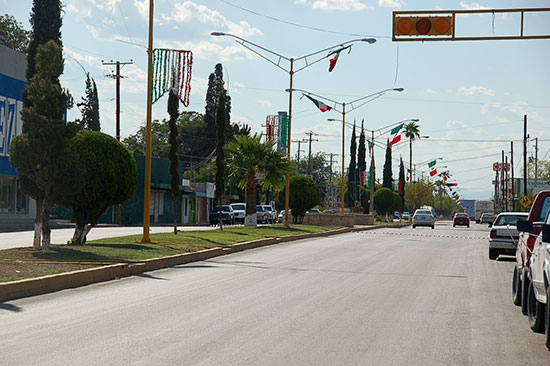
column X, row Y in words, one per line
column 520, row 280
column 262, row 216
column 272, row 214
column 486, row 218
column 228, row 216
column 504, row 235
column 538, row 293
column 423, row 217
column 239, row 209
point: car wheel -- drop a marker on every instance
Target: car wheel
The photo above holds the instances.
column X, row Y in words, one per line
column 454, row 225
column 493, row 254
column 516, row 287
column 524, row 290
column 414, row 226
column 547, row 318
column 468, row 225
column 433, row 227
column 535, row 311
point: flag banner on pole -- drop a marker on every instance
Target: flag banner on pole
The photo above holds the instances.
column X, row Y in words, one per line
column 432, row 163
column 322, row 106
column 333, row 57
column 172, row 72
column 433, row 172
column 395, row 140
column 396, row 129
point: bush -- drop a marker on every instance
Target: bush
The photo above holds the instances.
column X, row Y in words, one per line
column 304, row 195
column 383, row 200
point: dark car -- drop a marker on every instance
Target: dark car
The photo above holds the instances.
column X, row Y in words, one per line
column 228, row 216
column 461, row 218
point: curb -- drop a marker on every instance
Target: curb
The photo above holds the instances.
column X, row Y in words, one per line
column 46, row 284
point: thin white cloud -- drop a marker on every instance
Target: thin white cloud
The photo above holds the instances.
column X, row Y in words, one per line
column 390, row 3
column 351, row 5
column 517, row 108
column 190, row 11
column 472, row 6
column 205, row 50
column 430, row 91
column 475, row 90
column 265, row 103
column 454, row 125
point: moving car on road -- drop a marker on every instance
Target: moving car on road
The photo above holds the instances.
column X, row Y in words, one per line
column 486, row 218
column 461, row 218
column 423, row 217
column 504, row 236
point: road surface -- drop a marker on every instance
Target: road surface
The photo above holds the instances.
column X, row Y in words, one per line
column 385, row 297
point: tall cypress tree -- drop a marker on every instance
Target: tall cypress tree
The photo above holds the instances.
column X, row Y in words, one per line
column 362, row 152
column 173, row 111
column 46, row 26
column 387, row 174
column 220, row 157
column 352, row 168
column 90, row 106
column 401, row 186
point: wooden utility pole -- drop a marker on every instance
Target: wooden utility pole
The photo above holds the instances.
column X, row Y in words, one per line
column 525, row 137
column 513, row 179
column 117, row 78
column 310, row 133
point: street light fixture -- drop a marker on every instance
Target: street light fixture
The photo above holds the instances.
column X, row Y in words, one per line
column 249, row 45
column 366, row 99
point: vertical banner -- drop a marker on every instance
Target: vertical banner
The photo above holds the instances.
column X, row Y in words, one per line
column 283, row 131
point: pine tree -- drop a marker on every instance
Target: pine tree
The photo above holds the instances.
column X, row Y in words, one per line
column 90, row 106
column 220, row 158
column 173, row 112
column 352, row 169
column 387, row 174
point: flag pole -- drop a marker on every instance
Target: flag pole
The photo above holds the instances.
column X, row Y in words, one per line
column 343, row 152
column 147, row 194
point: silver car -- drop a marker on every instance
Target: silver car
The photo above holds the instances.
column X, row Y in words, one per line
column 240, row 211
column 504, row 234
column 423, row 218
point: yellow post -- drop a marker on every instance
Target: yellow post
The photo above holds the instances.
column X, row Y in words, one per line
column 147, row 193
column 287, row 192
column 371, row 203
column 343, row 154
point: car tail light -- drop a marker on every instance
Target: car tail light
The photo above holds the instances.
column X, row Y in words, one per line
column 493, row 234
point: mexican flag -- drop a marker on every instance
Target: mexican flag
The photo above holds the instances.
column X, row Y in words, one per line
column 433, row 172
column 333, row 56
column 432, row 163
column 396, row 132
column 322, row 106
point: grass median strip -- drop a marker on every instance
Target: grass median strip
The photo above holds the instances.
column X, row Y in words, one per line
column 21, row 263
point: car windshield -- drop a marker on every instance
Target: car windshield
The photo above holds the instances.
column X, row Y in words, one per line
column 259, row 209
column 224, row 209
column 268, row 208
column 504, row 220
column 461, row 215
column 239, row 207
column 545, row 209
column 423, row 212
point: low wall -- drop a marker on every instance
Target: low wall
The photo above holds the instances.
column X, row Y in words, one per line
column 347, row 220
column 364, row 220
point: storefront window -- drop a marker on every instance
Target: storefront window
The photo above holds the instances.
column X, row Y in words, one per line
column 22, row 203
column 7, row 194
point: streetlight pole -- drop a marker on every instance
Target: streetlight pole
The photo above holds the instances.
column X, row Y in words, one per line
column 291, row 72
column 343, row 154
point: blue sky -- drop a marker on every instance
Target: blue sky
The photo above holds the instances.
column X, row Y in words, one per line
column 470, row 96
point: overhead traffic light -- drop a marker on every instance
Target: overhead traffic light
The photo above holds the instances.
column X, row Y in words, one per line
column 423, row 26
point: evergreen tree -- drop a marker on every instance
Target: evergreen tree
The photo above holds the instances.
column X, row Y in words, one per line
column 401, row 185
column 362, row 151
column 38, row 154
column 90, row 106
column 387, row 174
column 13, row 35
column 173, row 111
column 220, row 158
column 352, row 168
column 46, row 26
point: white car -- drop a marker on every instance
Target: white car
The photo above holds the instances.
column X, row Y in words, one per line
column 423, row 217
column 406, row 216
column 538, row 295
column 504, row 235
column 240, row 211
column 272, row 214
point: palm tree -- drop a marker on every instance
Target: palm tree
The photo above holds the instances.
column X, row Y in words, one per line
column 412, row 132
column 248, row 157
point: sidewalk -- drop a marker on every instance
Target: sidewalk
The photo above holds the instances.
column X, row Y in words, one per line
column 18, row 239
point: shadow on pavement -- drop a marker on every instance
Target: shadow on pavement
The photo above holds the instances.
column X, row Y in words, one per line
column 10, row 307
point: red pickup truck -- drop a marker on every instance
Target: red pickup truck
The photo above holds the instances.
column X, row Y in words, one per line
column 520, row 281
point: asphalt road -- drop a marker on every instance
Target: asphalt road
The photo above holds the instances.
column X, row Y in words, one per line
column 385, row 297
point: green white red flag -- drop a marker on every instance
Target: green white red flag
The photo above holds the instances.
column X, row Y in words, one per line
column 396, row 131
column 322, row 106
column 333, row 56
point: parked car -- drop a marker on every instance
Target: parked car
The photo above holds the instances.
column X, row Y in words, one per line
column 396, row 215
column 486, row 218
column 272, row 214
column 228, row 216
column 520, row 279
column 406, row 216
column 538, row 295
column 461, row 218
column 262, row 216
column 423, row 217
column 314, row 211
column 239, row 210
column 504, row 235
column 281, row 216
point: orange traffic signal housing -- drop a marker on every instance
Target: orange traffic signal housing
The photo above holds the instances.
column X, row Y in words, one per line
column 423, row 26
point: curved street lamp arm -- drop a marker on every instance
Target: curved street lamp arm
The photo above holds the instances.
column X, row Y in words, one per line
column 375, row 95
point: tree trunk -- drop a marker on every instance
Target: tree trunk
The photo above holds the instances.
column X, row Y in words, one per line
column 411, row 161
column 46, row 231
column 221, row 216
column 251, row 219
column 78, row 235
column 175, row 216
column 38, row 225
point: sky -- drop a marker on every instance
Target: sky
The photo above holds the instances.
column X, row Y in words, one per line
column 470, row 96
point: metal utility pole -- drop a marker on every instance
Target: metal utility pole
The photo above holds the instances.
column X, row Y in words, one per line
column 331, row 194
column 117, row 77
column 513, row 179
column 503, row 192
column 371, row 202
column 310, row 133
column 506, row 183
column 298, row 151
column 525, row 137
column 536, row 160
